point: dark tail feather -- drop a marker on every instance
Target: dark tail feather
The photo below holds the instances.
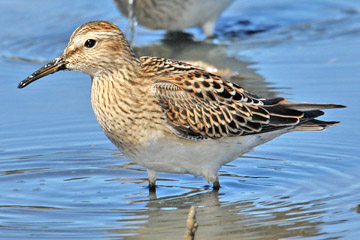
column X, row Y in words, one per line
column 312, row 111
column 315, row 125
column 304, row 107
column 311, row 115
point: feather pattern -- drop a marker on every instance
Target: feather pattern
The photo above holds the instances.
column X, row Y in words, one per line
column 203, row 105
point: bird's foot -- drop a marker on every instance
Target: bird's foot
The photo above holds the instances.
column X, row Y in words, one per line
column 152, row 187
column 216, row 185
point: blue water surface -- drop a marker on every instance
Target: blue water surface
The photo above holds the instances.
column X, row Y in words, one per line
column 61, row 178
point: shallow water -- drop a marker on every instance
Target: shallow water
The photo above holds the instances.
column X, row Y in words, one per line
column 61, row 178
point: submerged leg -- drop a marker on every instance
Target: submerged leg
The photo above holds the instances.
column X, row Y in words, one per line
column 216, row 184
column 152, row 180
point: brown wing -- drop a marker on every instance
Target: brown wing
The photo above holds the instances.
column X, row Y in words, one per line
column 202, row 105
column 157, row 66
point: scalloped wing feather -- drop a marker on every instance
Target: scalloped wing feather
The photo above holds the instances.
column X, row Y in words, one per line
column 198, row 103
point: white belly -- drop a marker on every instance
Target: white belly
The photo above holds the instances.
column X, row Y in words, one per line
column 202, row 158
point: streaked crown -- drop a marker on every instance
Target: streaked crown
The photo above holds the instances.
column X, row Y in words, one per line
column 96, row 47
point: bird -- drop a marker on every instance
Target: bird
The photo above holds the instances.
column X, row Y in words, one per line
column 175, row 15
column 169, row 115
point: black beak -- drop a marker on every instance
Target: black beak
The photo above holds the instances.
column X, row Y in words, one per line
column 52, row 67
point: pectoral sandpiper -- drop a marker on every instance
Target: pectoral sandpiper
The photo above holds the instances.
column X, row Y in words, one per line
column 170, row 116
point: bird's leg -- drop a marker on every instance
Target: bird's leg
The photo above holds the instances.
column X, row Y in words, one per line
column 152, row 186
column 216, row 184
column 152, row 180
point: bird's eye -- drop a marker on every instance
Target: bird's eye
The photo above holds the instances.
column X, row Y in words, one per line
column 90, row 43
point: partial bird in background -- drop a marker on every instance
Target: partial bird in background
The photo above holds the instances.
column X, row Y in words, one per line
column 173, row 15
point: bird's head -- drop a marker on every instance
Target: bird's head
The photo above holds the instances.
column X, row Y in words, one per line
column 94, row 48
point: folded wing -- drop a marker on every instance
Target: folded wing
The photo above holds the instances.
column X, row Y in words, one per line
column 201, row 105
